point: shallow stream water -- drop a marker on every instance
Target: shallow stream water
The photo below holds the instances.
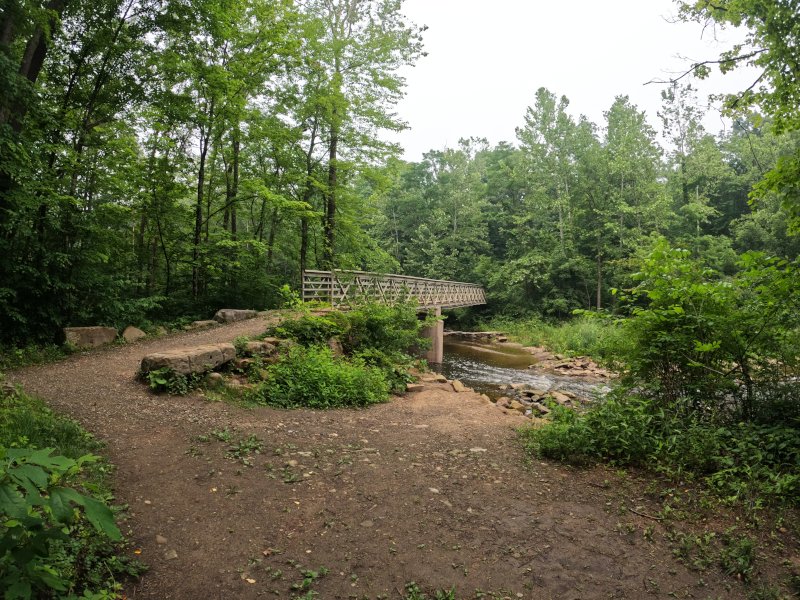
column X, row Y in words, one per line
column 485, row 366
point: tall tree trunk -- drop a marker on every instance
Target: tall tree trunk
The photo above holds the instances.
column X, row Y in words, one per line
column 205, row 141
column 599, row 281
column 303, row 245
column 329, row 225
column 234, row 192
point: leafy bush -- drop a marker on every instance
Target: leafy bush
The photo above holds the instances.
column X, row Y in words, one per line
column 375, row 335
column 55, row 541
column 744, row 463
column 15, row 358
column 38, row 512
column 716, row 345
column 314, row 378
column 175, row 384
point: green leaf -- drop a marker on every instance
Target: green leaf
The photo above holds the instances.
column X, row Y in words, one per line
column 97, row 513
column 12, row 503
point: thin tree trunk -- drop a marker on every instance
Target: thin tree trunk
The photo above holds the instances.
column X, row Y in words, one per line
column 599, row 281
column 205, row 139
column 330, row 200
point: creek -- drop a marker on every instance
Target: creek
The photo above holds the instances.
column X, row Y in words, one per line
column 485, row 366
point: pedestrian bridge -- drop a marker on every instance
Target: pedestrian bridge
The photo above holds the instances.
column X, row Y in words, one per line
column 344, row 289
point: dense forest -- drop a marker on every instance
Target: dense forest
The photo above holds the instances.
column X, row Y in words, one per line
column 164, row 159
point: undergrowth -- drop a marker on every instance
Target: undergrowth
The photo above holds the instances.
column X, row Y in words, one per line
column 58, row 538
column 601, row 339
column 749, row 464
column 314, row 378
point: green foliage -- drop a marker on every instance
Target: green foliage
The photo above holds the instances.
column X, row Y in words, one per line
column 414, row 592
column 711, row 341
column 588, row 335
column 746, row 463
column 314, row 378
column 737, row 556
column 309, row 330
column 15, row 358
column 174, row 384
column 374, row 335
column 39, row 511
column 54, row 539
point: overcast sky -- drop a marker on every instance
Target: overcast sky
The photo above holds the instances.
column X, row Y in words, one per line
column 487, row 58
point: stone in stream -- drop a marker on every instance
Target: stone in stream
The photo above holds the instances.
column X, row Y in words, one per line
column 89, row 337
column 459, row 387
column 562, row 399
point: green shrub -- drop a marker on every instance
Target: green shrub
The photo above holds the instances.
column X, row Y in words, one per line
column 716, row 344
column 175, row 384
column 745, row 463
column 617, row 428
column 376, row 335
column 311, row 330
column 57, row 535
column 314, row 378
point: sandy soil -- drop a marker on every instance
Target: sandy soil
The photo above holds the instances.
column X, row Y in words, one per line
column 432, row 487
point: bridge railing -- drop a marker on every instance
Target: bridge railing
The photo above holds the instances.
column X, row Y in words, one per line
column 349, row 288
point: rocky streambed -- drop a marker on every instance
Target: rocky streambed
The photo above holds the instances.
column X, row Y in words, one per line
column 528, row 379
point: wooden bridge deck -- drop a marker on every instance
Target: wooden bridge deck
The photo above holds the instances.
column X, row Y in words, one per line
column 346, row 288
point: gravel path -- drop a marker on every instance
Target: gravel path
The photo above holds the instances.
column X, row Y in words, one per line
column 432, row 487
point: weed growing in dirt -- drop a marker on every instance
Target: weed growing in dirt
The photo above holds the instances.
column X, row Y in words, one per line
column 174, row 384
column 245, row 448
column 738, row 556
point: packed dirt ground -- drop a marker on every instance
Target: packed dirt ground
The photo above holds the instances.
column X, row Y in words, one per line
column 433, row 487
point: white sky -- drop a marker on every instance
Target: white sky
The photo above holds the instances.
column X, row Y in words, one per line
column 487, row 58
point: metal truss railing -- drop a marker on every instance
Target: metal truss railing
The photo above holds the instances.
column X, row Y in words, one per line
column 349, row 288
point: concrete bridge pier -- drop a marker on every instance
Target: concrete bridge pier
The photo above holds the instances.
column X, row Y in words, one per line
column 436, row 335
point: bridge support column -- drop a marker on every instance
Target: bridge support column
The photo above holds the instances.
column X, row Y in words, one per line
column 436, row 335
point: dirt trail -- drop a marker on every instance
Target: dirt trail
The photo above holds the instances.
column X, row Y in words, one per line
column 432, row 487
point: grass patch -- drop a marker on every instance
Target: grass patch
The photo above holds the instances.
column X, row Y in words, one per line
column 602, row 339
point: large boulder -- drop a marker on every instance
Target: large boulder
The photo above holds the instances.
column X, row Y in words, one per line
column 89, row 337
column 231, row 315
column 190, row 360
column 133, row 334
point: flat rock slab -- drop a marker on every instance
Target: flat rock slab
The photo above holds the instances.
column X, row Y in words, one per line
column 190, row 360
column 232, row 315
column 89, row 337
